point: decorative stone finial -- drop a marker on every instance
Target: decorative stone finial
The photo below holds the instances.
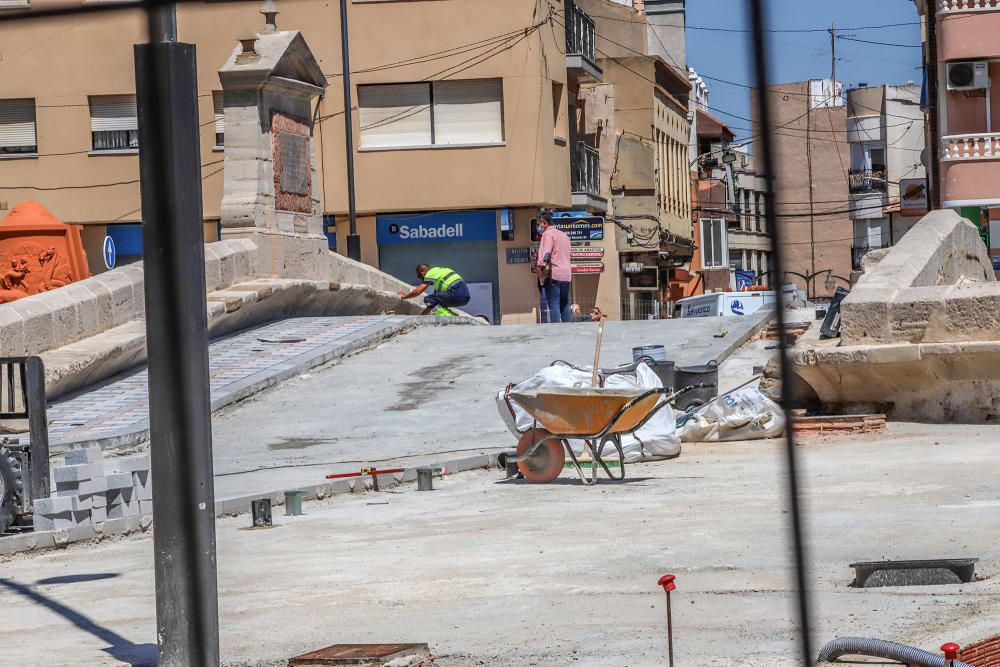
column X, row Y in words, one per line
column 248, row 42
column 270, row 11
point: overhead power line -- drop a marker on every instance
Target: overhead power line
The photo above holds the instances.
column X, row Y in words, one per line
column 868, row 41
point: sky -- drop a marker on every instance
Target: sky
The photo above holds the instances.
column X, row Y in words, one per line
column 801, row 56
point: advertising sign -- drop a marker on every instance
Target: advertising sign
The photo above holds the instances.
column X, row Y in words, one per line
column 589, row 267
column 579, row 228
column 913, row 196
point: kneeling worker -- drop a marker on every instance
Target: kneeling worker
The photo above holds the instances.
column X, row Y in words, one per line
column 450, row 291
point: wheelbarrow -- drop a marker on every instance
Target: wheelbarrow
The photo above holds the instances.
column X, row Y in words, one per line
column 598, row 417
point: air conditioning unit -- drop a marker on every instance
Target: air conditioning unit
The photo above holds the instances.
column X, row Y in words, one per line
column 972, row 75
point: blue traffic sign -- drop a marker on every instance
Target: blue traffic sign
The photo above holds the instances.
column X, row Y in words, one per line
column 110, row 254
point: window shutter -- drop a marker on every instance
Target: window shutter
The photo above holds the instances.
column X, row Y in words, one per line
column 220, row 114
column 17, row 123
column 113, row 112
column 468, row 112
column 395, row 115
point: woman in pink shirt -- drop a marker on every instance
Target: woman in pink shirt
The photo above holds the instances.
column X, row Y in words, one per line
column 554, row 270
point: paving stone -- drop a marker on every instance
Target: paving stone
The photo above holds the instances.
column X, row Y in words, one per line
column 54, row 505
column 83, row 456
column 77, row 473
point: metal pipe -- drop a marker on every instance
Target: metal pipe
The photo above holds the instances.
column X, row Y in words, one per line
column 162, row 20
column 187, row 613
column 353, row 240
column 762, row 76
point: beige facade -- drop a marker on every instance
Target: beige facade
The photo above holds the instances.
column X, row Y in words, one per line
column 508, row 59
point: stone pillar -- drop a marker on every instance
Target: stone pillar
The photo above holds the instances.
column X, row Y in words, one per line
column 271, row 190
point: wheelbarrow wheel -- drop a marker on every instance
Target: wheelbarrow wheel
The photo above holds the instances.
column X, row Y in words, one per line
column 546, row 461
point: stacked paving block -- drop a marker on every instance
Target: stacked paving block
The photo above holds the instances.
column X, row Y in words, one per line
column 89, row 490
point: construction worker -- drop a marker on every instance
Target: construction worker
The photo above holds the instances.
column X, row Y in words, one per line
column 450, row 291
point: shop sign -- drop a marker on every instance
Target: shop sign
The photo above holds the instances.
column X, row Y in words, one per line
column 590, row 228
column 589, row 267
column 913, row 196
column 586, row 253
column 436, row 228
column 520, row 255
column 632, row 267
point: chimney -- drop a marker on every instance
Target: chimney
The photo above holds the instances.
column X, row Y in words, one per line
column 270, row 12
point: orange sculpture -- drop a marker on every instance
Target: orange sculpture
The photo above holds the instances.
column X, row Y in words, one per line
column 38, row 253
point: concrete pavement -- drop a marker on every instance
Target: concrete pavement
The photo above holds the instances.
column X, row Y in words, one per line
column 424, row 397
column 507, row 574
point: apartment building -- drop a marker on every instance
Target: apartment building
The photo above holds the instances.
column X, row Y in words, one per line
column 749, row 240
column 460, row 112
column 641, row 110
column 964, row 62
column 810, row 188
column 887, row 181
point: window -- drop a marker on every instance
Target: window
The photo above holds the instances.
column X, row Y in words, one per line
column 443, row 113
column 220, row 119
column 747, row 213
column 17, row 127
column 114, row 125
column 714, row 245
column 758, row 211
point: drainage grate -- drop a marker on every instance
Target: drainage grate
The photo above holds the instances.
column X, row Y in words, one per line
column 358, row 654
column 937, row 572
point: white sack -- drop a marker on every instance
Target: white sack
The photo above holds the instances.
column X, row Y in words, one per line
column 745, row 414
column 657, row 439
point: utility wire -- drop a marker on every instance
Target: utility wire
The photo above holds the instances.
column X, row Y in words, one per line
column 867, row 41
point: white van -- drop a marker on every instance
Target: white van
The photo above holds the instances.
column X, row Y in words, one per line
column 721, row 304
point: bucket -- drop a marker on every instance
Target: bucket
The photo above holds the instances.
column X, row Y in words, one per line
column 293, row 502
column 653, row 352
column 707, row 375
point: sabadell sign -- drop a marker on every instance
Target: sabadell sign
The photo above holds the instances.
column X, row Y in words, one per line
column 436, row 228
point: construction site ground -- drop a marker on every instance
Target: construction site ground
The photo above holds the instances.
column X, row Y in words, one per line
column 494, row 572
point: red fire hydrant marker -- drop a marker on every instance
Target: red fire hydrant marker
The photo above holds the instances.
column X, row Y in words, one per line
column 950, row 653
column 667, row 582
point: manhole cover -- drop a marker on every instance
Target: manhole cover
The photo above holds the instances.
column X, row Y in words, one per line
column 937, row 572
column 358, row 654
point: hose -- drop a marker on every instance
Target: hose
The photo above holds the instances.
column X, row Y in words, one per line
column 880, row 648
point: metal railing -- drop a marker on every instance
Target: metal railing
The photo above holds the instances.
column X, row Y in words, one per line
column 586, row 170
column 866, row 180
column 580, row 35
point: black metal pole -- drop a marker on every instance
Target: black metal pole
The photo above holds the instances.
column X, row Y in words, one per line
column 933, row 109
column 33, row 383
column 187, row 613
column 353, row 240
column 757, row 22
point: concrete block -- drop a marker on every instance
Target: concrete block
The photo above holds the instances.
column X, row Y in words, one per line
column 99, row 514
column 122, row 295
column 80, row 517
column 119, row 480
column 55, row 521
column 102, row 299
column 82, row 488
column 54, row 505
column 81, row 456
column 11, row 333
column 120, row 496
column 115, row 526
column 129, row 464
column 145, row 507
column 38, row 330
column 82, row 532
column 44, row 522
column 143, row 485
column 77, row 473
column 99, row 500
column 133, row 524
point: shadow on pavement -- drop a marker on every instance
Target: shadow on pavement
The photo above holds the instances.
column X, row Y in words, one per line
column 137, row 655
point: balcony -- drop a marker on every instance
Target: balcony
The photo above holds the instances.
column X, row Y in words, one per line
column 967, row 30
column 586, row 179
column 865, row 129
column 970, row 169
column 952, row 6
column 866, row 180
column 581, row 54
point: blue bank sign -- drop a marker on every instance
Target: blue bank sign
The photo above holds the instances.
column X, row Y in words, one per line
column 436, row 227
